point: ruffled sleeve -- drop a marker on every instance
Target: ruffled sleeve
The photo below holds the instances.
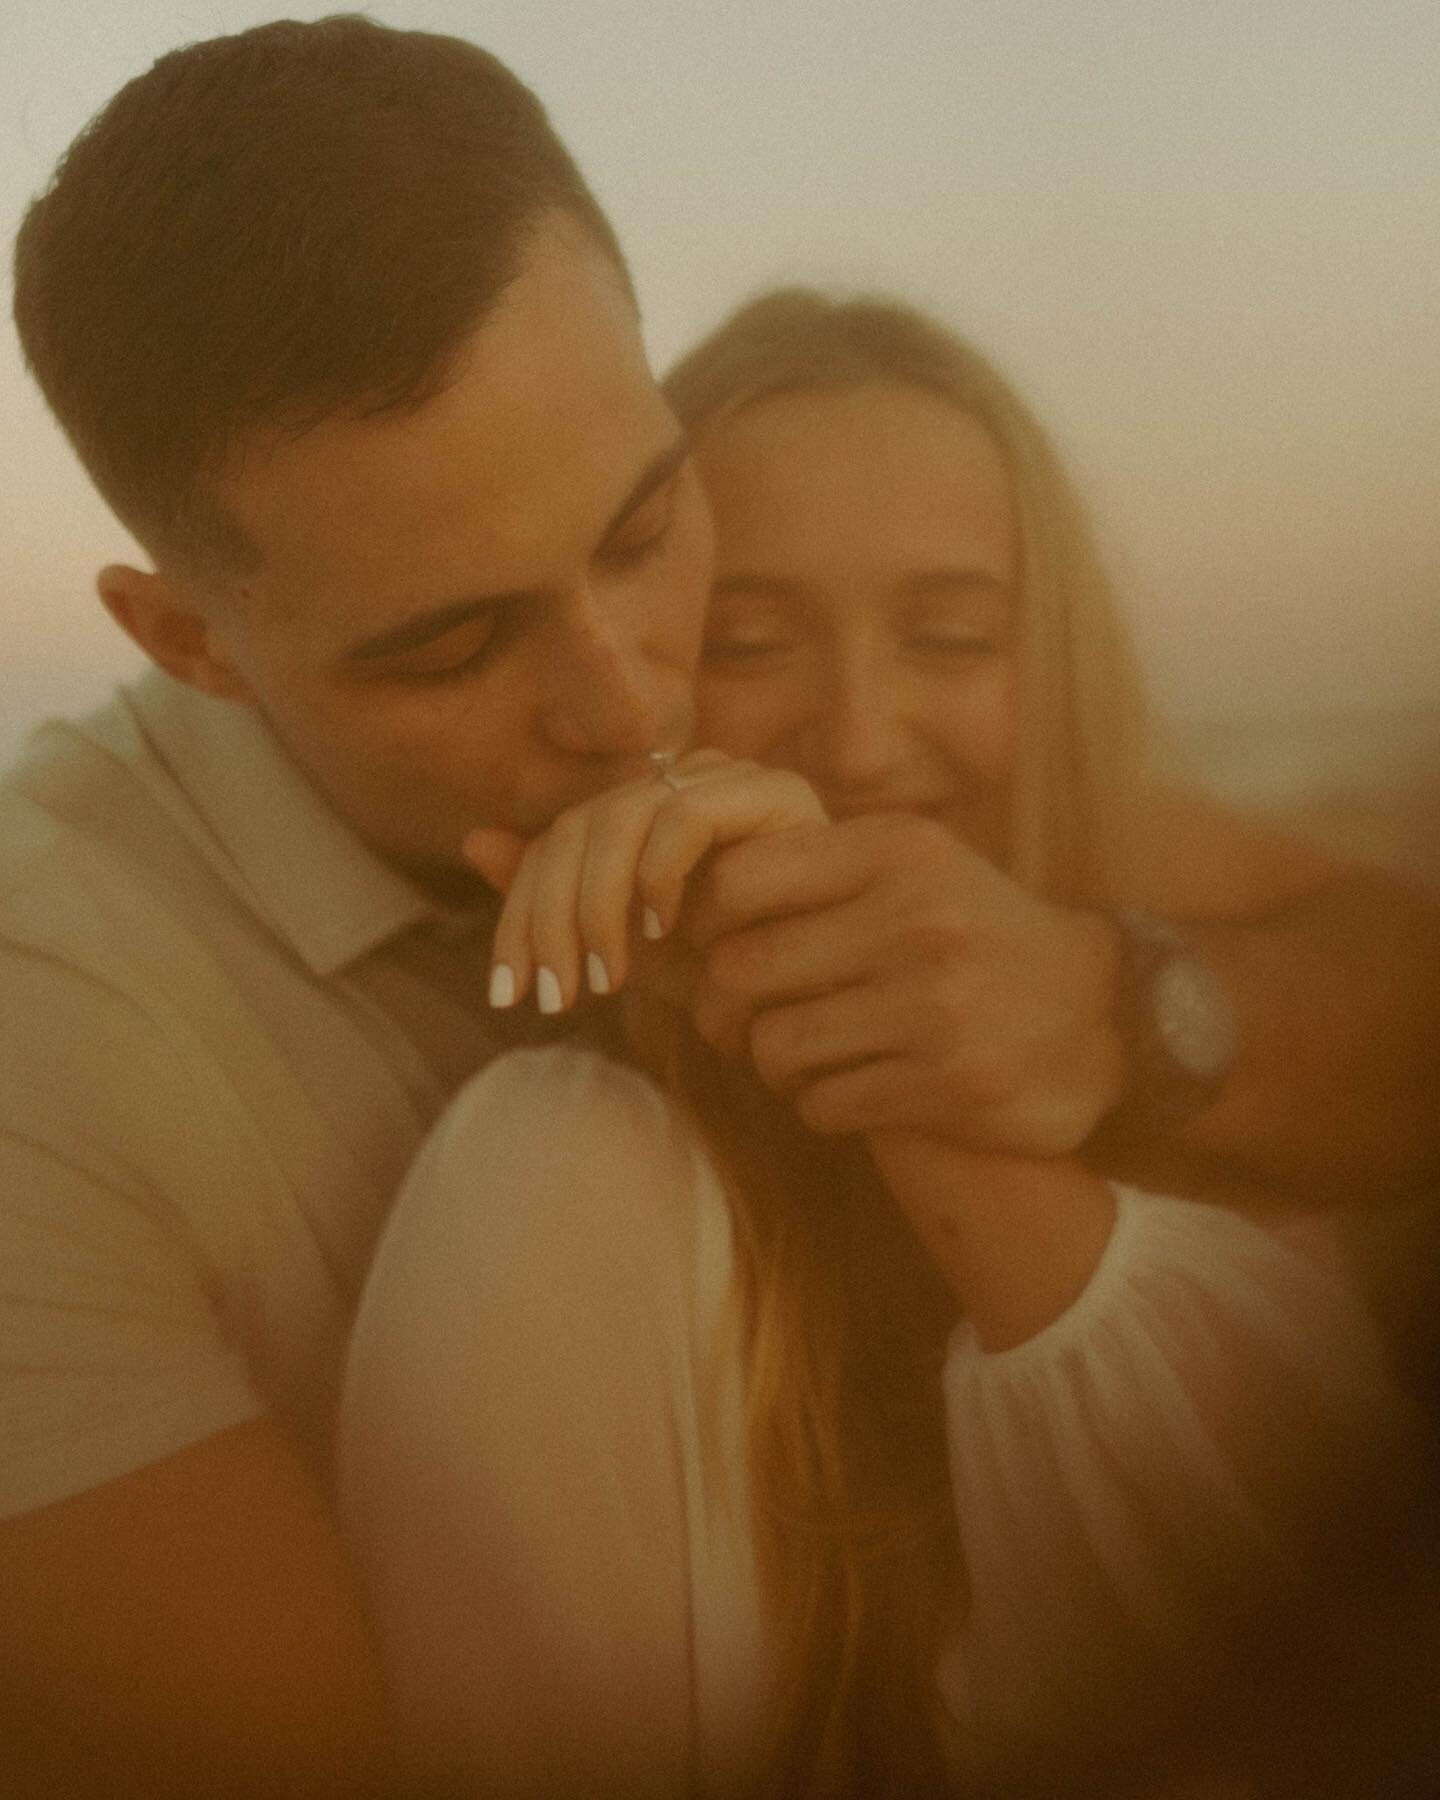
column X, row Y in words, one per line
column 1151, row 1473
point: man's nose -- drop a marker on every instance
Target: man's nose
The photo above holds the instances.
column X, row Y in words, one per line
column 605, row 694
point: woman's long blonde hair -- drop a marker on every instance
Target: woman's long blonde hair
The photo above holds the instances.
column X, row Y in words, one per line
column 844, row 1320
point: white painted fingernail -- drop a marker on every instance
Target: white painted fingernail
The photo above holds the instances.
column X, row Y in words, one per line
column 547, row 991
column 597, row 974
column 502, row 985
column 650, row 924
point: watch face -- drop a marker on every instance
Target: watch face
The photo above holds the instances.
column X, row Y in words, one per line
column 1193, row 1016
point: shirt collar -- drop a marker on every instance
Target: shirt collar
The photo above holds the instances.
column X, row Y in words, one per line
column 263, row 824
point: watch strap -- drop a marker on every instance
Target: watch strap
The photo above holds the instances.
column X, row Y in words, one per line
column 1176, row 1026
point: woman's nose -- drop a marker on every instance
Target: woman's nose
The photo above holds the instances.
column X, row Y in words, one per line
column 857, row 729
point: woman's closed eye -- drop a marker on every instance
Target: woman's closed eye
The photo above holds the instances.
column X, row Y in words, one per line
column 973, row 624
column 741, row 647
column 736, row 635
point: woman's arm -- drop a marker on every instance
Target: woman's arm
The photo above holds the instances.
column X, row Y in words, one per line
column 1185, row 1503
column 1016, row 1238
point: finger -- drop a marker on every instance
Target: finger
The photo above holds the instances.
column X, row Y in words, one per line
column 793, row 1045
column 609, row 831
column 610, row 903
column 878, row 1095
column 814, row 867
column 884, row 1095
column 774, row 966
column 804, row 954
column 719, row 806
column 800, row 870
column 606, row 915
column 570, row 905
column 494, row 854
column 511, row 964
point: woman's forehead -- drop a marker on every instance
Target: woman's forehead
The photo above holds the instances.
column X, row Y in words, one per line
column 886, row 467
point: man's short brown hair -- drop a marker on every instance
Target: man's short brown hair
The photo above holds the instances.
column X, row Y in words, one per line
column 266, row 229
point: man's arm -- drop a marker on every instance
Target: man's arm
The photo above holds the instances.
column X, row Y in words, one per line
column 1333, row 969
column 190, row 1628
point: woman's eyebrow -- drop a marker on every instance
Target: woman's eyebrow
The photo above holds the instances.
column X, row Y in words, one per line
column 919, row 584
column 953, row 578
column 759, row 587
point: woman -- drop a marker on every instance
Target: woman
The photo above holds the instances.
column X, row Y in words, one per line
column 698, row 1450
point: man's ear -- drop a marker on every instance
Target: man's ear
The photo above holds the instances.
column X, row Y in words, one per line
column 170, row 626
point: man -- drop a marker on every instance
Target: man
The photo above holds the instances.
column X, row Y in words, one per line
column 344, row 340
column 446, row 565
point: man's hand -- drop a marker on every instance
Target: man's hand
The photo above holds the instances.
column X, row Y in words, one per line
column 890, row 979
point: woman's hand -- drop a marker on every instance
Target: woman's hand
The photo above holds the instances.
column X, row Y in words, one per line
column 620, row 862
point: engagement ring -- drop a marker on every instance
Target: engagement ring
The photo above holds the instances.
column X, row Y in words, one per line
column 663, row 763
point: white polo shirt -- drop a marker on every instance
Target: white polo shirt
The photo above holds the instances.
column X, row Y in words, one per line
column 225, row 1027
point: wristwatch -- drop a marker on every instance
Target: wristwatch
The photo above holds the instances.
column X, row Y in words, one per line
column 1178, row 1030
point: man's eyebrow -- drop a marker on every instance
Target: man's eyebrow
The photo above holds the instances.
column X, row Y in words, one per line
column 654, row 475
column 425, row 627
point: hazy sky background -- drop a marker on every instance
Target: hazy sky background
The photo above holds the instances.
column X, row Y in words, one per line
column 1202, row 236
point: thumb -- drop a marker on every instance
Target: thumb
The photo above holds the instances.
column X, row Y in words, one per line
column 494, row 853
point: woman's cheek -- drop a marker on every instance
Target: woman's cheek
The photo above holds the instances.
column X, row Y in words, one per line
column 985, row 723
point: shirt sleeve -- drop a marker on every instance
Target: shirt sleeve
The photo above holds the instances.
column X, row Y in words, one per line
column 1146, row 1479
column 111, row 1353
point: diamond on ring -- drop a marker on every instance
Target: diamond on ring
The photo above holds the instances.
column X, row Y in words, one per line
column 663, row 763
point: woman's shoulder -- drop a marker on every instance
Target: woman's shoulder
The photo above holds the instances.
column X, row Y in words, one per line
column 551, row 1165
column 572, row 1115
column 565, row 1080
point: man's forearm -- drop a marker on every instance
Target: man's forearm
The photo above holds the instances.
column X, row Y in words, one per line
column 1334, row 1093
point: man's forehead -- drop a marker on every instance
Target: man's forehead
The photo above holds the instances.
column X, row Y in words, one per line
column 550, row 418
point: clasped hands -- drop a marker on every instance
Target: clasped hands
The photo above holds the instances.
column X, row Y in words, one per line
column 875, row 969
